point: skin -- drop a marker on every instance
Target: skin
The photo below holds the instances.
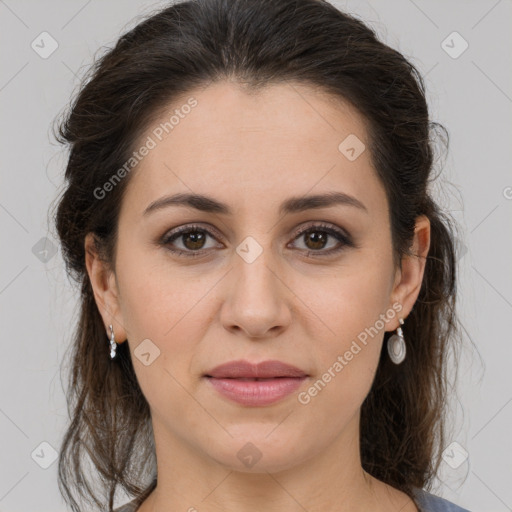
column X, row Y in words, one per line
column 252, row 152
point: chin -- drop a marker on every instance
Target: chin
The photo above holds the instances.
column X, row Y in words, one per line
column 252, row 451
column 265, row 464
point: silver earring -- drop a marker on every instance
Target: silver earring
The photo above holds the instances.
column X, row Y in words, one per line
column 113, row 344
column 396, row 345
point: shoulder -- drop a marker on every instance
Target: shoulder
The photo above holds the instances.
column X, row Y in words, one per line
column 431, row 503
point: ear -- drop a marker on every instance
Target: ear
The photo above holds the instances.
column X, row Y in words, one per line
column 106, row 293
column 410, row 276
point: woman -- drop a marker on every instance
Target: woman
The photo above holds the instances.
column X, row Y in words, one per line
column 267, row 287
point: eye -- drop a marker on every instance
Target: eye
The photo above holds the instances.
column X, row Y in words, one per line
column 316, row 237
column 192, row 239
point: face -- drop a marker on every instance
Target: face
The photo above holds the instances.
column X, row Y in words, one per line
column 265, row 279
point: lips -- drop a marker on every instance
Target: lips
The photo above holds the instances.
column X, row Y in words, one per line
column 244, row 370
column 255, row 385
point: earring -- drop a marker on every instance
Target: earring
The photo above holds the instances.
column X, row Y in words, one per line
column 113, row 344
column 396, row 345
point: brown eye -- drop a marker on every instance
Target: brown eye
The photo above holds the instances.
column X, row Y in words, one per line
column 192, row 239
column 316, row 239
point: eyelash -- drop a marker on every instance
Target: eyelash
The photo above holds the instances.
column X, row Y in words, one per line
column 345, row 240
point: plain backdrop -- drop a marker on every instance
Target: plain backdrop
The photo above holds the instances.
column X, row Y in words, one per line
column 469, row 91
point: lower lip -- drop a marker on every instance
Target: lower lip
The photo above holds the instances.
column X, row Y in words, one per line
column 256, row 392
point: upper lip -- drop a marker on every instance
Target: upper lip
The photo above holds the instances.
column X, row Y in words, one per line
column 264, row 370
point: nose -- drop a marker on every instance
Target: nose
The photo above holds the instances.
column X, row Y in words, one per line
column 256, row 302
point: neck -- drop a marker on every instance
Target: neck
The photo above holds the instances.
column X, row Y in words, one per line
column 332, row 479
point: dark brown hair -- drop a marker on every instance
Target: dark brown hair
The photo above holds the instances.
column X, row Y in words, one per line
column 254, row 42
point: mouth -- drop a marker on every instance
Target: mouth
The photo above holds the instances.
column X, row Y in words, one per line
column 255, row 384
column 251, row 379
column 242, row 369
column 256, row 392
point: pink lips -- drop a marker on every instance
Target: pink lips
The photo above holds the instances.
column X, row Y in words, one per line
column 256, row 384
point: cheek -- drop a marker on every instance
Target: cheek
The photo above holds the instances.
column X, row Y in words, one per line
column 155, row 293
column 170, row 306
column 348, row 300
column 164, row 307
column 350, row 307
column 346, row 362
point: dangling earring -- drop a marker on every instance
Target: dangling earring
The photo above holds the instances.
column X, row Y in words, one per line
column 396, row 345
column 113, row 344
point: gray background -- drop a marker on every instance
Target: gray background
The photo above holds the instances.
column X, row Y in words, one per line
column 471, row 95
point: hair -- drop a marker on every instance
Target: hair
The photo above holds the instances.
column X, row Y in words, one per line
column 255, row 43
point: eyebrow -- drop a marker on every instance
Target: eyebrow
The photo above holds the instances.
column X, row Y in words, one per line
column 291, row 205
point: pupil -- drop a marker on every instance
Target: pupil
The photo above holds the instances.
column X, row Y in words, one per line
column 197, row 239
column 318, row 240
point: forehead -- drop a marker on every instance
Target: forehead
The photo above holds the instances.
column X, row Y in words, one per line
column 240, row 145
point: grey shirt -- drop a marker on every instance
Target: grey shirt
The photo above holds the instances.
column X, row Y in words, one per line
column 426, row 502
column 431, row 503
